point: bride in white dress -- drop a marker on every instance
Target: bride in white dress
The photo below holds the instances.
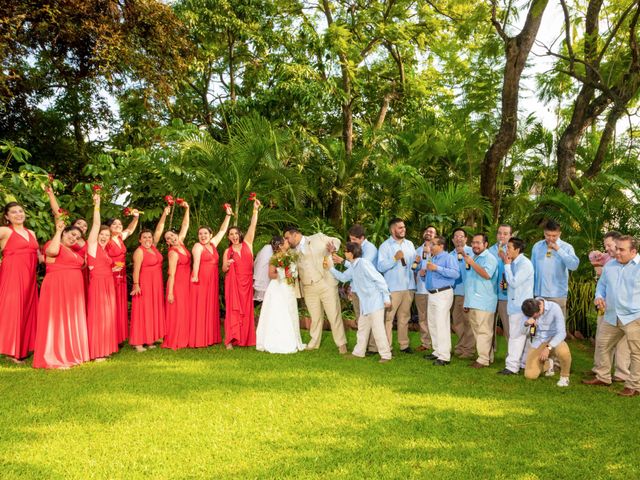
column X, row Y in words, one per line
column 279, row 325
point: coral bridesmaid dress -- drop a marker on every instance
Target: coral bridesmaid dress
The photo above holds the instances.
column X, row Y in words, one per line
column 82, row 251
column 239, row 327
column 118, row 253
column 18, row 295
column 178, row 311
column 147, row 309
column 101, row 306
column 204, row 326
column 61, row 334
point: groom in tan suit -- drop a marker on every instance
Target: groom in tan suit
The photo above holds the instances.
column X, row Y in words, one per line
column 319, row 287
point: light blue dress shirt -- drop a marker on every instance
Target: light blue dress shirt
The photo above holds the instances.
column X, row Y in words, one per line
column 458, row 288
column 480, row 293
column 519, row 274
column 444, row 275
column 550, row 326
column 398, row 277
column 619, row 286
column 369, row 251
column 367, row 283
column 493, row 250
column 420, row 287
column 552, row 273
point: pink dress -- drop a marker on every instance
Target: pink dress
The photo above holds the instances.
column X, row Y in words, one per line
column 239, row 327
column 204, row 325
column 147, row 309
column 18, row 295
column 61, row 333
column 178, row 311
column 101, row 306
column 118, row 253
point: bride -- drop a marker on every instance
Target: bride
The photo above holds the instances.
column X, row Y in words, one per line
column 279, row 327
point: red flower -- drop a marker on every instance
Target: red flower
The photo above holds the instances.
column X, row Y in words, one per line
column 169, row 200
column 179, row 201
column 51, row 177
column 97, row 188
column 127, row 212
column 226, row 206
column 252, row 197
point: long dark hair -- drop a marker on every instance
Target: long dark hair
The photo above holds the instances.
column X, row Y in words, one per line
column 7, row 207
column 239, row 233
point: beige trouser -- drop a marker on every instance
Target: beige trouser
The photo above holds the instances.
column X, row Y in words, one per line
column 421, row 305
column 535, row 367
column 504, row 318
column 355, row 301
column 482, row 325
column 562, row 301
column 320, row 299
column 609, row 337
column 621, row 354
column 439, row 308
column 372, row 325
column 465, row 348
column 401, row 307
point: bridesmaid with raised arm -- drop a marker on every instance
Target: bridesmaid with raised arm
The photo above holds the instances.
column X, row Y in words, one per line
column 61, row 333
column 18, row 286
column 147, row 306
column 177, row 307
column 237, row 263
column 204, row 325
column 81, row 246
column 101, row 298
column 117, row 250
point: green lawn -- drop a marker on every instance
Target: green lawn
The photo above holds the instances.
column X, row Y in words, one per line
column 211, row 413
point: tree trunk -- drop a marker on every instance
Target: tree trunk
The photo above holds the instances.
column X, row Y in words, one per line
column 516, row 52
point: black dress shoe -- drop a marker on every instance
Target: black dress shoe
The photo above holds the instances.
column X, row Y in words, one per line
column 430, row 356
column 407, row 350
column 506, row 371
column 370, row 353
column 441, row 363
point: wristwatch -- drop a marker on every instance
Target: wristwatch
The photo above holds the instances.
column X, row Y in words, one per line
column 549, row 347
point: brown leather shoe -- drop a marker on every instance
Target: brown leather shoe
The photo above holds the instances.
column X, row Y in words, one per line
column 595, row 382
column 421, row 348
column 477, row 365
column 629, row 392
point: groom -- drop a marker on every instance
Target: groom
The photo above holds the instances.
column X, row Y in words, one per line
column 319, row 288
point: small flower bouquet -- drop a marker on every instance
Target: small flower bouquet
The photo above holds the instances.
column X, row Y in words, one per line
column 285, row 263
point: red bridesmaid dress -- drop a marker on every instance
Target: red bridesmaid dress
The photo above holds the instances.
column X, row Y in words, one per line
column 147, row 309
column 101, row 306
column 82, row 251
column 61, row 334
column 239, row 327
column 178, row 311
column 18, row 295
column 118, row 253
column 204, row 326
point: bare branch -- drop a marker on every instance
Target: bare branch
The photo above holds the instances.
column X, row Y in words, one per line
column 567, row 28
column 613, row 32
column 496, row 24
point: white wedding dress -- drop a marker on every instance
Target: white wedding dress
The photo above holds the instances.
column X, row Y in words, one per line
column 279, row 325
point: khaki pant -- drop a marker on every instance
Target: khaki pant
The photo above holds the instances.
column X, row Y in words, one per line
column 421, row 305
column 355, row 301
column 482, row 325
column 323, row 299
column 439, row 308
column 372, row 325
column 609, row 337
column 465, row 348
column 504, row 318
column 621, row 354
column 401, row 307
column 535, row 367
column 562, row 301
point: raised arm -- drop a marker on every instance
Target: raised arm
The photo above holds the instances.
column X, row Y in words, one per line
column 132, row 226
column 184, row 228
column 223, row 228
column 92, row 241
column 53, row 249
column 53, row 201
column 251, row 232
column 157, row 234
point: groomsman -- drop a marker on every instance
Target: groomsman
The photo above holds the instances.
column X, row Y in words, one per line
column 423, row 252
column 552, row 260
column 466, row 346
column 395, row 258
column 618, row 294
column 369, row 251
column 519, row 274
column 481, row 298
column 621, row 354
column 499, row 251
column 441, row 273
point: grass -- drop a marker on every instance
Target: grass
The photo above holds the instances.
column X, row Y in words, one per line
column 210, row 413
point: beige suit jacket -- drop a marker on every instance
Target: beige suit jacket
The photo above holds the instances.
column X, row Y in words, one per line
column 312, row 256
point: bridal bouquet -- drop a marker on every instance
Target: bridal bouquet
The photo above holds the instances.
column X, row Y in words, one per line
column 285, row 263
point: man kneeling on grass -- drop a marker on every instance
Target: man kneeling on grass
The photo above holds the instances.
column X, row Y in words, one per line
column 374, row 296
column 545, row 326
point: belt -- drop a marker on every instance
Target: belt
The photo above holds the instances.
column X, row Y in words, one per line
column 440, row 289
